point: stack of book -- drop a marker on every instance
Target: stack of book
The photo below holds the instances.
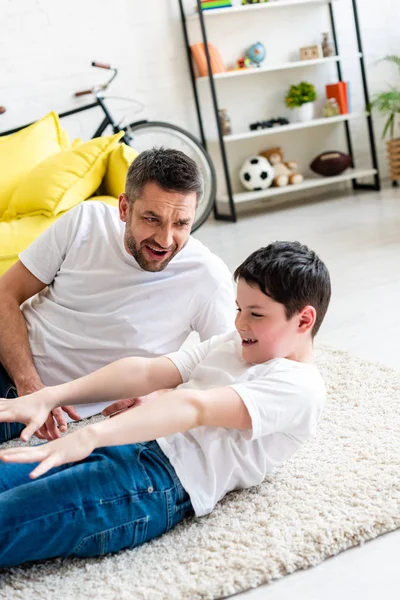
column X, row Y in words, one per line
column 340, row 91
column 209, row 4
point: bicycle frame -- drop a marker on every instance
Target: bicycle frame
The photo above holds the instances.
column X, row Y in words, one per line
column 136, row 128
column 106, row 122
column 64, row 114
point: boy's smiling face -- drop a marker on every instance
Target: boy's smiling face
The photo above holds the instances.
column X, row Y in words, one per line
column 265, row 330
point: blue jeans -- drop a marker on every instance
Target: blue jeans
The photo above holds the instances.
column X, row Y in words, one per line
column 8, row 431
column 119, row 497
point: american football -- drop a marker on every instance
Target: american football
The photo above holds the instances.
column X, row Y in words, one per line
column 331, row 163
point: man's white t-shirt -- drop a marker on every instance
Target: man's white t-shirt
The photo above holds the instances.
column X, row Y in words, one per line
column 100, row 305
column 284, row 399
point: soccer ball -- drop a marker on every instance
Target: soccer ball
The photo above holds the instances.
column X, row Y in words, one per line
column 256, row 173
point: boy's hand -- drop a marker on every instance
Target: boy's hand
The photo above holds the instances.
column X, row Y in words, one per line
column 71, row 448
column 32, row 410
column 56, row 423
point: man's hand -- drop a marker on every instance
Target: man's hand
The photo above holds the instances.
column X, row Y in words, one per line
column 55, row 422
column 71, row 448
column 121, row 405
column 31, row 410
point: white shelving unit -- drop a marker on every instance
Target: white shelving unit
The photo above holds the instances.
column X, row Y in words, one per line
column 267, row 6
column 292, row 127
column 307, row 184
column 205, row 18
column 298, row 64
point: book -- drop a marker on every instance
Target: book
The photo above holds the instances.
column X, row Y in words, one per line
column 339, row 92
column 349, row 106
column 210, row 4
column 343, row 86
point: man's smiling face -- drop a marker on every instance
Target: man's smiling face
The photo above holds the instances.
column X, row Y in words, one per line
column 158, row 225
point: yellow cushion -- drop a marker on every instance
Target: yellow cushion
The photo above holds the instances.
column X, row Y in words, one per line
column 76, row 142
column 63, row 180
column 117, row 168
column 64, row 137
column 22, row 151
column 16, row 235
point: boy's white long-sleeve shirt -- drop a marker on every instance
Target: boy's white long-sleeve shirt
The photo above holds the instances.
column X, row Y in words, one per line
column 284, row 398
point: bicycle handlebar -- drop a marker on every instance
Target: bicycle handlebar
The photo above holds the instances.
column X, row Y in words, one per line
column 101, row 65
column 96, row 90
column 83, row 93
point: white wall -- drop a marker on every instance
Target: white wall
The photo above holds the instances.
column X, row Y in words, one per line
column 46, row 47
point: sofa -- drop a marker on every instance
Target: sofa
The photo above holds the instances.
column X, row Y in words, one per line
column 43, row 174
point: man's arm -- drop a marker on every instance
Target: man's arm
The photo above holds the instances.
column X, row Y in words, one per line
column 43, row 259
column 177, row 411
column 17, row 285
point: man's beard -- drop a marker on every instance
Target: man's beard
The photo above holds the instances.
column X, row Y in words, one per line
column 139, row 253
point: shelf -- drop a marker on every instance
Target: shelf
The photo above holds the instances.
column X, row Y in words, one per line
column 302, row 10
column 292, row 127
column 282, row 67
column 253, row 7
column 307, row 184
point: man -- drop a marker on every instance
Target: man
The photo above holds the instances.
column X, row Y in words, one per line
column 102, row 284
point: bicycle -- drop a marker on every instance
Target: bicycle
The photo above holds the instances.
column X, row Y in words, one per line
column 144, row 134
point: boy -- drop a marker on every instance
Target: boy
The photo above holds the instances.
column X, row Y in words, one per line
column 243, row 403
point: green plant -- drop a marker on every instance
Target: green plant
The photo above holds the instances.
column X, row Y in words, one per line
column 300, row 94
column 388, row 103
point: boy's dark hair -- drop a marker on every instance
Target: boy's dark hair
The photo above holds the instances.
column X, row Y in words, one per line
column 171, row 169
column 291, row 274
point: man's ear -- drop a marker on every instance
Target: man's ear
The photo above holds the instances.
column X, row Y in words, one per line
column 123, row 206
column 307, row 318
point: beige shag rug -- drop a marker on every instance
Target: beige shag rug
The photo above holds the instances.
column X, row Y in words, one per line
column 340, row 490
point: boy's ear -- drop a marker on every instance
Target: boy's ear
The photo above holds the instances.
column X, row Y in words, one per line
column 307, row 319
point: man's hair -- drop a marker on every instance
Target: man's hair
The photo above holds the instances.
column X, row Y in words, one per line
column 291, row 274
column 171, row 169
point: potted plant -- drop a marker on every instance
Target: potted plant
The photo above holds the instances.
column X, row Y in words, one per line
column 300, row 99
column 388, row 104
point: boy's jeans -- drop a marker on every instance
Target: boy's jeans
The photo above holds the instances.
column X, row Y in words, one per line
column 8, row 431
column 118, row 497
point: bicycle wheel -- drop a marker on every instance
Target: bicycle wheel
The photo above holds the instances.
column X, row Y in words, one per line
column 144, row 136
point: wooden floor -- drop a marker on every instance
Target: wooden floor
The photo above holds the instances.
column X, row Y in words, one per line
column 358, row 237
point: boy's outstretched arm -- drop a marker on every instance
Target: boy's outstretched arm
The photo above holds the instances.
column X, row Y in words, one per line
column 122, row 379
column 173, row 412
column 176, row 411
